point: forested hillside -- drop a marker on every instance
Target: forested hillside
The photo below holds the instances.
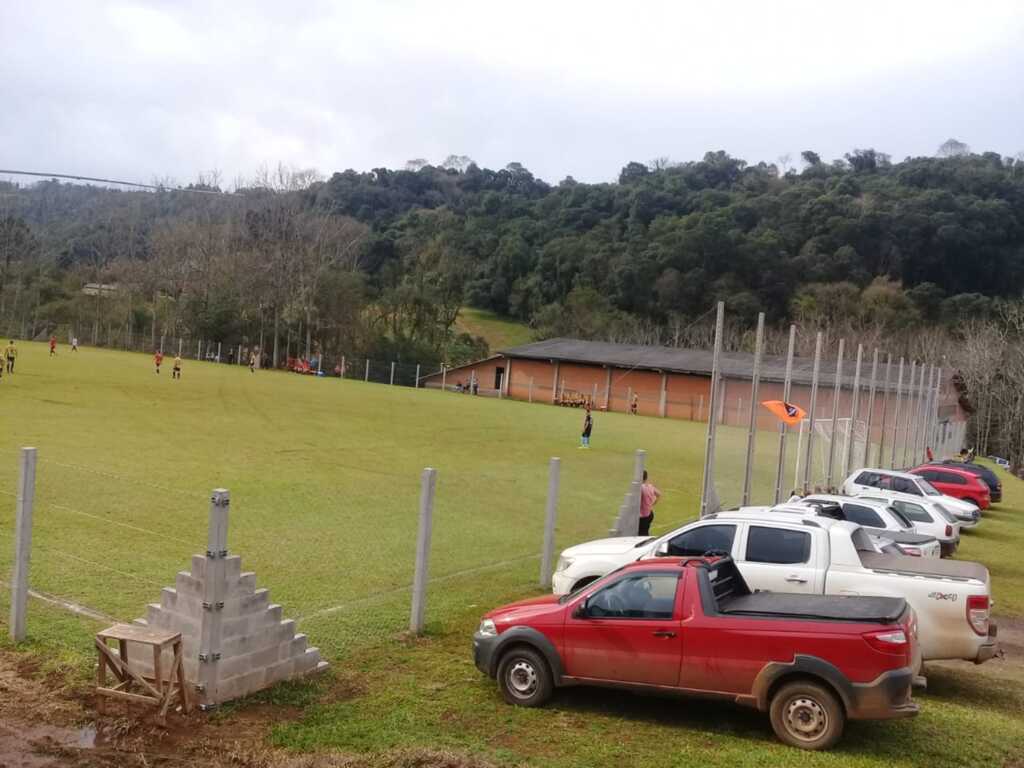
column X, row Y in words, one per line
column 380, row 262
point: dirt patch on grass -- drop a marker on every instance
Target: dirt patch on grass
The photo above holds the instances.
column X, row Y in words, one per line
column 47, row 723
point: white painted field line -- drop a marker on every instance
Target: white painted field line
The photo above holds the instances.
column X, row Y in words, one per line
column 76, row 608
column 126, row 479
column 129, row 526
column 101, row 566
column 398, row 590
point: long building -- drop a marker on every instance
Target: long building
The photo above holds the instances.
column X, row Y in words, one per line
column 676, row 383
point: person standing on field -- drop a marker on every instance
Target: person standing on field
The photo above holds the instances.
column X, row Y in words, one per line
column 157, row 359
column 176, row 371
column 649, row 496
column 588, row 426
column 74, row 344
column 634, row 407
column 10, row 353
column 252, row 362
column 53, row 346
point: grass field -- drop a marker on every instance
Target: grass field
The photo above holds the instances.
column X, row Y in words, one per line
column 324, row 477
column 500, row 332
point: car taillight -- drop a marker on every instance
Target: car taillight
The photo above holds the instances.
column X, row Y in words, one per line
column 978, row 613
column 890, row 641
column 949, row 530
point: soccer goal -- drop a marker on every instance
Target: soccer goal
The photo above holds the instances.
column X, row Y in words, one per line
column 829, row 443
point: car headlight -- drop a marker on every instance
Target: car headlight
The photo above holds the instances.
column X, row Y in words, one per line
column 564, row 563
column 487, row 628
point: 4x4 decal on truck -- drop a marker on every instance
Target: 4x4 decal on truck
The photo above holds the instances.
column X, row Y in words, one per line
column 951, row 596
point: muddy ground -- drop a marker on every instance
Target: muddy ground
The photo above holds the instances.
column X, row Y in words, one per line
column 47, row 723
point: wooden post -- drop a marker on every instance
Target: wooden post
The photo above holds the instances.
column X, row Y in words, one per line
column 22, row 543
column 550, row 514
column 428, row 484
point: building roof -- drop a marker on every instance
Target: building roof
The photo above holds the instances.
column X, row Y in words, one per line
column 698, row 361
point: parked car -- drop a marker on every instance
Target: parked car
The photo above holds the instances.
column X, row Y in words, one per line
column 926, row 514
column 819, row 556
column 958, row 483
column 906, row 482
column 990, row 478
column 1004, row 463
column 692, row 626
column 879, row 519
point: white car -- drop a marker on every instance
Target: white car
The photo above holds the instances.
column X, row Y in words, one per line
column 904, row 482
column 926, row 513
column 782, row 552
column 878, row 518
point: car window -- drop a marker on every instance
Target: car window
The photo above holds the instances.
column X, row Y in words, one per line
column 927, row 488
column 777, row 545
column 914, row 512
column 949, row 477
column 900, row 518
column 944, row 513
column 868, row 478
column 861, row 515
column 697, row 541
column 905, row 485
column 927, row 474
column 637, row 596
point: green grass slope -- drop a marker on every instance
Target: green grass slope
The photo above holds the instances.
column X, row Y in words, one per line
column 500, row 332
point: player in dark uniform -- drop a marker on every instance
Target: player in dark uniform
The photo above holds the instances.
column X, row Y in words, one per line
column 588, row 426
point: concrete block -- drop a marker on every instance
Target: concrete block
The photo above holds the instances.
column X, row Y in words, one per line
column 296, row 647
column 198, row 566
column 188, row 585
column 247, row 604
column 233, row 568
column 235, row 627
column 245, row 584
column 281, row 671
column 168, row 597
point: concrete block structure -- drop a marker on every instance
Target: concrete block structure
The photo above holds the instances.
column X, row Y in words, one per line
column 235, row 641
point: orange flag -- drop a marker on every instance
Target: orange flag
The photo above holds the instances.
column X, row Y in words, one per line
column 789, row 413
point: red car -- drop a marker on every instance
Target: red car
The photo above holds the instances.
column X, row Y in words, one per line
column 958, row 483
column 691, row 626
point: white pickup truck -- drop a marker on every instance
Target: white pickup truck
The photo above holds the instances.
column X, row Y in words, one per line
column 780, row 553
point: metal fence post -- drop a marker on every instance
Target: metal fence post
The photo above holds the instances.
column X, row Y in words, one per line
column 752, row 425
column 22, row 543
column 910, row 411
column 809, row 456
column 708, row 484
column 550, row 514
column 428, row 483
column 786, row 387
column 872, row 391
column 885, row 411
column 854, row 413
column 896, row 416
column 836, row 392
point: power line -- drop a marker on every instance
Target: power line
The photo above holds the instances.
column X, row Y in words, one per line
column 155, row 187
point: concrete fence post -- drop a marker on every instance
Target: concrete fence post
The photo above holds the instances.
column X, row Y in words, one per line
column 179, row 346
column 366, row 376
column 343, row 362
column 22, row 543
column 239, row 358
column 629, row 399
column 392, row 381
column 550, row 515
column 199, row 350
column 218, row 351
column 214, row 589
column 417, row 385
column 531, row 389
column 161, row 344
column 428, row 484
column 444, row 378
column 663, row 397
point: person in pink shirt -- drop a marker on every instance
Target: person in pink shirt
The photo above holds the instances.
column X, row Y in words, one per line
column 649, row 496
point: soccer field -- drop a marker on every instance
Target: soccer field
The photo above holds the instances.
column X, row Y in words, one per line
column 324, row 477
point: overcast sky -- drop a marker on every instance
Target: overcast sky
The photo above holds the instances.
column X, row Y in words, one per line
column 140, row 90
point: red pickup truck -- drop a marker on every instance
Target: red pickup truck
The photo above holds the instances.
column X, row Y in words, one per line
column 692, row 626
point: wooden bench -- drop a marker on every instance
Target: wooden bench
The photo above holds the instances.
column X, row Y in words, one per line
column 131, row 685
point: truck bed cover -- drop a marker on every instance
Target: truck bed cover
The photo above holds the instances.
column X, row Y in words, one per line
column 875, row 610
column 925, row 566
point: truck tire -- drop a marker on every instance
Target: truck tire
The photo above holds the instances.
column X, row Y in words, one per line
column 524, row 677
column 807, row 715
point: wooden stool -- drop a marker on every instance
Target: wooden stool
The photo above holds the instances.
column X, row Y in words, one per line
column 152, row 690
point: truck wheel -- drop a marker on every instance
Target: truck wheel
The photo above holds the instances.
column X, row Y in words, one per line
column 807, row 715
column 524, row 678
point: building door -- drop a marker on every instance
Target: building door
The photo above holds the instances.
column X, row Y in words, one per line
column 499, row 374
